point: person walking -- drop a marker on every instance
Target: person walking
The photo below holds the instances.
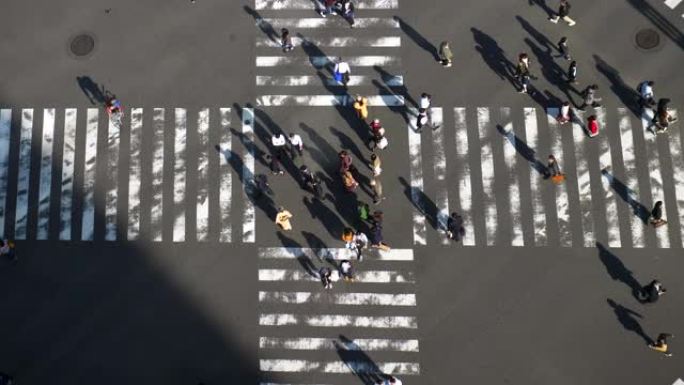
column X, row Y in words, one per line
column 445, row 54
column 278, row 142
column 656, row 219
column 662, row 118
column 325, row 273
column 661, row 344
column 426, row 104
column 376, row 185
column 564, row 49
column 361, row 107
column 375, row 164
column 296, row 145
column 7, row 250
column 286, row 40
column 563, row 12
column 261, row 186
column 652, row 291
column 376, row 237
column 342, row 72
column 274, row 164
column 348, row 238
column 590, row 98
column 283, row 219
column 592, row 126
column 554, row 170
column 327, row 8
column 347, row 270
column 348, row 12
column 572, row 72
column 345, row 162
column 646, row 96
column 563, row 113
column 361, row 242
column 350, row 184
column 455, row 229
column 522, row 72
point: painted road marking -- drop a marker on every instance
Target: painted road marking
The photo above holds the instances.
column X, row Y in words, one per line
column 45, row 174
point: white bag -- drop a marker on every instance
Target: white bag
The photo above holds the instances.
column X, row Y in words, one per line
column 382, row 143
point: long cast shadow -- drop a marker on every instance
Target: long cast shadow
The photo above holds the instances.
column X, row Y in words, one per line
column 328, row 218
column 95, row 93
column 417, row 38
column 524, row 150
column 358, row 361
column 627, row 94
column 306, row 263
column 552, row 71
column 494, row 56
column 397, row 90
column 628, row 319
column 658, row 20
column 422, row 203
column 542, row 4
column 617, row 270
column 263, row 25
column 628, row 195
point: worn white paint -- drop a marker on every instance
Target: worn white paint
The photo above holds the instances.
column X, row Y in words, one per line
column 45, row 174
column 134, row 173
column 416, row 181
column 326, row 100
column 68, row 159
column 112, row 196
column 202, row 213
column 344, row 367
column 357, row 299
column 225, row 176
column 562, row 202
column 156, row 215
column 329, row 22
column 538, row 208
column 583, row 178
column 307, row 80
column 487, row 163
column 88, row 221
column 24, row 174
column 358, row 344
column 338, row 321
column 337, row 42
column 5, row 130
column 606, row 163
column 248, row 216
column 465, row 192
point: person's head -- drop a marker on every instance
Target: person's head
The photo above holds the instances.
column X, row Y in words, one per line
column 454, row 214
column 659, row 204
column 359, row 98
column 284, row 32
column 423, row 95
column 269, row 157
column 552, row 158
column 303, row 168
column 651, row 83
column 566, row 104
column 281, row 209
column 594, row 86
column 445, row 44
column 339, row 59
column 421, row 110
column 343, row 153
column 392, row 380
column 522, row 56
column 591, row 118
column 292, row 134
column 278, row 134
column 373, row 157
column 573, row 64
column 564, row 39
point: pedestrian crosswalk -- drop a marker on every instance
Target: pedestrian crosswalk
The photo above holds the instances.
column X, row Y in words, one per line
column 672, row 4
column 308, row 334
column 496, row 178
column 145, row 179
column 304, row 76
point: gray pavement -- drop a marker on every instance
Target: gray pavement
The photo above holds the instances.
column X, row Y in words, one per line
column 553, row 309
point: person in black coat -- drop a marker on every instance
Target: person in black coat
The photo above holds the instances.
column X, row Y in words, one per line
column 455, row 229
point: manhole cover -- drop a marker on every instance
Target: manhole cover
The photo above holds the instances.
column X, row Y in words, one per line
column 647, row 39
column 82, row 45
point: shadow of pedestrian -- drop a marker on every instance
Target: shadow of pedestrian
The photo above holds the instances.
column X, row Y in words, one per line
column 247, row 178
column 628, row 195
column 617, row 270
column 304, row 260
column 494, row 56
column 401, row 109
column 542, row 4
column 628, row 319
column 422, row 203
column 360, row 364
column 628, row 95
column 524, row 150
column 417, row 38
column 401, row 90
column 669, row 29
column 328, row 218
column 551, row 70
column 263, row 25
column 96, row 94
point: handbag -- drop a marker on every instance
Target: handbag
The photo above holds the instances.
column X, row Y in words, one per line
column 337, row 76
column 558, row 179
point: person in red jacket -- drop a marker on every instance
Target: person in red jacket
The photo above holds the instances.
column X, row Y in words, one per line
column 592, row 126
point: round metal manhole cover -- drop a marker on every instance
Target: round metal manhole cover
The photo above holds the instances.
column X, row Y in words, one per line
column 647, row 39
column 82, row 45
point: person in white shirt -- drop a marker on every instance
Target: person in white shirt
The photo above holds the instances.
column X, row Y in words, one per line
column 426, row 104
column 278, row 141
column 297, row 145
column 342, row 68
column 646, row 93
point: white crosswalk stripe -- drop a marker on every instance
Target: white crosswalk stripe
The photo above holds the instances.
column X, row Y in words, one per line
column 615, row 193
column 123, row 217
column 291, row 321
column 315, row 41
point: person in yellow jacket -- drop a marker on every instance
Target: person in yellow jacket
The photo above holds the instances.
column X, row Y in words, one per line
column 283, row 219
column 361, row 107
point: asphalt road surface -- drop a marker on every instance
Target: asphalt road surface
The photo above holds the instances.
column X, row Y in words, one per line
column 145, row 256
